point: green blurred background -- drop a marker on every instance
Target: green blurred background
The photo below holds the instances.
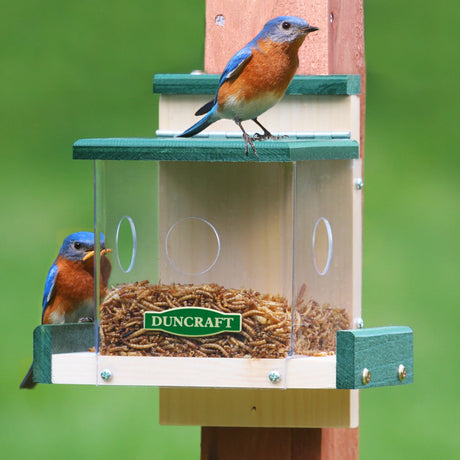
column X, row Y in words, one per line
column 81, row 69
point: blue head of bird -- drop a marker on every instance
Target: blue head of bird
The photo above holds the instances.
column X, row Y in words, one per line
column 286, row 29
column 80, row 246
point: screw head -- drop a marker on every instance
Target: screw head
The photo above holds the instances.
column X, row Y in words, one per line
column 220, row 20
column 359, row 323
column 366, row 376
column 359, row 184
column 402, row 372
column 106, row 374
column 274, row 376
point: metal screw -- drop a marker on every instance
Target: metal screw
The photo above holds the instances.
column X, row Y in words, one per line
column 220, row 20
column 106, row 374
column 331, row 18
column 402, row 372
column 359, row 184
column 274, row 376
column 359, row 323
column 366, row 376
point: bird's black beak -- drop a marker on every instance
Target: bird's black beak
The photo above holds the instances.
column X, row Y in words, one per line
column 312, row 29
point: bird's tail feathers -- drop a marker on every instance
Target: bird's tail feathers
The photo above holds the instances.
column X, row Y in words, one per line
column 206, row 108
column 210, row 118
column 28, row 381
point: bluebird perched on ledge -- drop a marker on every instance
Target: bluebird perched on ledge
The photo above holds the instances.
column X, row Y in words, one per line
column 69, row 286
column 256, row 77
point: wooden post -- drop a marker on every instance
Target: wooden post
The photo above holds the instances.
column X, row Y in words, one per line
column 279, row 443
column 338, row 48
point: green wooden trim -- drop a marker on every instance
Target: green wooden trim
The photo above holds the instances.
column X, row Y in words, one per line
column 52, row 339
column 229, row 150
column 301, row 84
column 42, row 355
column 381, row 350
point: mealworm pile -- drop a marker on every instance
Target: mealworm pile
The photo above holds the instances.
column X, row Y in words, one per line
column 266, row 323
column 315, row 326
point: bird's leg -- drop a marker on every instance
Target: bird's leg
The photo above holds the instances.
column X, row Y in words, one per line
column 247, row 139
column 266, row 135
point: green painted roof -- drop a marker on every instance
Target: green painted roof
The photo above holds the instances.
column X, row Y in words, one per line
column 214, row 149
column 301, row 84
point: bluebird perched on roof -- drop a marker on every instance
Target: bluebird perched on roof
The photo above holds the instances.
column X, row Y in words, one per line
column 69, row 286
column 256, row 77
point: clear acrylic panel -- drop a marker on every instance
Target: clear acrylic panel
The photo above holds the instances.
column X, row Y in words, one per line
column 323, row 247
column 271, row 243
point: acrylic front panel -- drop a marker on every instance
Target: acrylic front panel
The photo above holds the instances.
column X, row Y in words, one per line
column 325, row 253
column 127, row 213
column 277, row 237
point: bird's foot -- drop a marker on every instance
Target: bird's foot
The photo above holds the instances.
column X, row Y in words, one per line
column 248, row 141
column 267, row 135
column 86, row 319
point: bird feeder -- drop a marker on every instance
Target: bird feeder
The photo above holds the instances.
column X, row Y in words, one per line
column 233, row 273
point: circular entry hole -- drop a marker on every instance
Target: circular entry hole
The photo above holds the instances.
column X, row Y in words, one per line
column 322, row 246
column 126, row 244
column 192, row 246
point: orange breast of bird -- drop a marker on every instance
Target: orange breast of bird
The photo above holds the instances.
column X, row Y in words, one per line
column 263, row 82
column 74, row 288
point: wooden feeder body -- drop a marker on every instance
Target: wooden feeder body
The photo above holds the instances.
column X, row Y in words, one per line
column 275, row 227
column 199, row 211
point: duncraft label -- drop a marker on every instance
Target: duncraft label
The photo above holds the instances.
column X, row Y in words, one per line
column 192, row 321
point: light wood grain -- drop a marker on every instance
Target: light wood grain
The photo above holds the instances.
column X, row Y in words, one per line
column 74, row 368
column 293, row 113
column 249, row 205
column 299, row 372
column 262, row 408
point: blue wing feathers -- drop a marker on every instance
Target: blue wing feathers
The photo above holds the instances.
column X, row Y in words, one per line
column 236, row 63
column 49, row 285
column 232, row 70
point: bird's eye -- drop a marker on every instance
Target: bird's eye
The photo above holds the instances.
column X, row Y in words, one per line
column 286, row 25
column 77, row 245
